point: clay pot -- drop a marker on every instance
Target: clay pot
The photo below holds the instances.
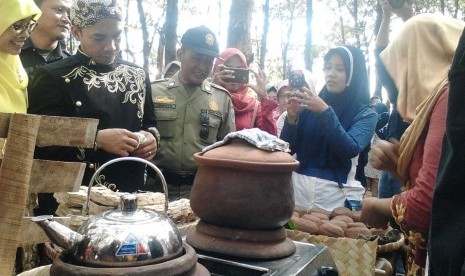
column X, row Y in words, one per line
column 185, row 265
column 241, row 186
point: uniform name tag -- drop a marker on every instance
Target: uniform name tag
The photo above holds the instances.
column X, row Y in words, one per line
column 164, row 105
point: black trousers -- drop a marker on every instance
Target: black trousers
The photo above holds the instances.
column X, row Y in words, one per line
column 447, row 235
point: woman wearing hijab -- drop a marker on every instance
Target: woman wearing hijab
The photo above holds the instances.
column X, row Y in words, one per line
column 17, row 20
column 284, row 87
column 418, row 61
column 329, row 130
column 249, row 112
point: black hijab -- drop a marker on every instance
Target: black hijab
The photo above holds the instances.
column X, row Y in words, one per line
column 356, row 95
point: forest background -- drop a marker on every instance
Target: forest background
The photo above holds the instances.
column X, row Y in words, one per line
column 276, row 36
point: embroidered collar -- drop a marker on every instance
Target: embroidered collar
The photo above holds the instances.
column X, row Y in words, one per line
column 91, row 63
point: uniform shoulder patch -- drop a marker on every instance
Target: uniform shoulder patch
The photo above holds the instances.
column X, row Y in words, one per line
column 159, row 80
column 219, row 87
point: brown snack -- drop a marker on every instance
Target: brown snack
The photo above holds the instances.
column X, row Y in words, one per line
column 313, row 218
column 344, row 218
column 305, row 225
column 319, row 210
column 301, row 210
column 340, row 211
column 354, row 232
column 320, row 215
column 355, row 216
column 296, row 214
column 378, row 231
column 331, row 230
column 339, row 223
column 356, row 225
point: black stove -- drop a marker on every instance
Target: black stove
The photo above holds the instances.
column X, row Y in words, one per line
column 308, row 260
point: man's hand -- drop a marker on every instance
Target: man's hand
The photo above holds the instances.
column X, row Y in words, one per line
column 123, row 142
column 118, row 141
column 148, row 149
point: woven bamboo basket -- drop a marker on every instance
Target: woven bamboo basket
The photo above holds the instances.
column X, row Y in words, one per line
column 352, row 256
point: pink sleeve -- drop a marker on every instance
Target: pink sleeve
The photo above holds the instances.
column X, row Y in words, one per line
column 265, row 119
column 414, row 205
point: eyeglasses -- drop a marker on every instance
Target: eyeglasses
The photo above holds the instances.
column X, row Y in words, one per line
column 20, row 27
column 204, row 121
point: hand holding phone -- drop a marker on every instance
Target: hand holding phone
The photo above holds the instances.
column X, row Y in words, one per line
column 241, row 75
column 296, row 80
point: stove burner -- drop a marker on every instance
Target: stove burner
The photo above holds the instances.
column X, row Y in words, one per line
column 308, row 260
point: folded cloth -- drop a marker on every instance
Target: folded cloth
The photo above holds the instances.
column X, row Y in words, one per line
column 258, row 138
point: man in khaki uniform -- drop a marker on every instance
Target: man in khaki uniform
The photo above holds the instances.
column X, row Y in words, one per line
column 191, row 112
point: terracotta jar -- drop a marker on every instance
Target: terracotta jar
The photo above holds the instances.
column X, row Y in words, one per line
column 241, row 186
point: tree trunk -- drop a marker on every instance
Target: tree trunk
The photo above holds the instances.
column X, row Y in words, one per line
column 286, row 45
column 443, row 6
column 160, row 53
column 379, row 17
column 169, row 29
column 240, row 17
column 308, row 39
column 456, row 8
column 266, row 15
column 357, row 24
column 341, row 23
column 145, row 34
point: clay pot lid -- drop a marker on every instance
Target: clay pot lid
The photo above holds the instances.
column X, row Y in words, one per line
column 241, row 150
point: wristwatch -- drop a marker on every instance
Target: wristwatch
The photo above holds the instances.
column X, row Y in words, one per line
column 155, row 134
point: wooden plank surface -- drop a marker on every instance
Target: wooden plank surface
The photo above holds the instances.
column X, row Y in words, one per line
column 31, row 233
column 55, row 176
column 4, row 124
column 15, row 173
column 65, row 131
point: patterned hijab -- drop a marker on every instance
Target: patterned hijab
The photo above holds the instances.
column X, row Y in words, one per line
column 13, row 77
column 356, row 94
column 242, row 102
column 418, row 59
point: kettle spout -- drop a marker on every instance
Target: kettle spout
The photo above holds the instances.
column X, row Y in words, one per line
column 57, row 232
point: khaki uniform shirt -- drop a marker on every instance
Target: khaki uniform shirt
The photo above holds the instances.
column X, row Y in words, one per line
column 188, row 124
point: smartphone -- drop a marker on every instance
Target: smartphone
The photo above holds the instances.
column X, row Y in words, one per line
column 296, row 79
column 241, row 75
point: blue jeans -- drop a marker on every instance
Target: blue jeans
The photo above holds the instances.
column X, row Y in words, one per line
column 388, row 185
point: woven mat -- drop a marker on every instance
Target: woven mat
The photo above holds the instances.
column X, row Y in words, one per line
column 352, row 257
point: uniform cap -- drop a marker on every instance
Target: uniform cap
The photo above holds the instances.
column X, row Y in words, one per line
column 201, row 40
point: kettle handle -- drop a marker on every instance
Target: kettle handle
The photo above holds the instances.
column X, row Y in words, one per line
column 150, row 164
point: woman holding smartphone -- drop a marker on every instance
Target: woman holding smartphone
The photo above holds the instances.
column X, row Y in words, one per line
column 231, row 72
column 328, row 131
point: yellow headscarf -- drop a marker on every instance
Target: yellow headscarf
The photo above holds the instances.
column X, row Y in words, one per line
column 13, row 77
column 418, row 60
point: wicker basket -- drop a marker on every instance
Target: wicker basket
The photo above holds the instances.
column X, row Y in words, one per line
column 352, row 257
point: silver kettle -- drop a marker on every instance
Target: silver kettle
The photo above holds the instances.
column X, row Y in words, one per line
column 119, row 238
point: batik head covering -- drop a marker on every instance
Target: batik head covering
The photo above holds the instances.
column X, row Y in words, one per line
column 418, row 61
column 356, row 95
column 13, row 77
column 85, row 13
column 419, row 57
